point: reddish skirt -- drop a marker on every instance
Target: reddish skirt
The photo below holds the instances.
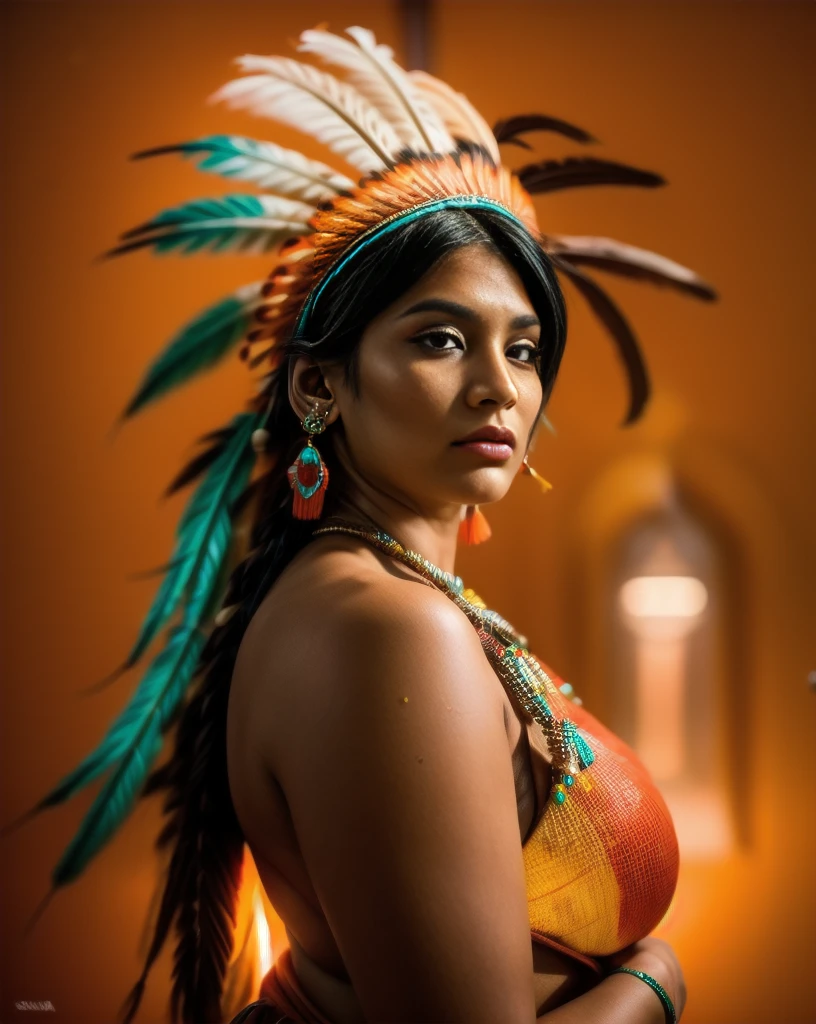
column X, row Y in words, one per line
column 282, row 1000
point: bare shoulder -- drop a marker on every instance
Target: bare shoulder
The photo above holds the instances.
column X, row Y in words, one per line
column 386, row 734
column 346, row 628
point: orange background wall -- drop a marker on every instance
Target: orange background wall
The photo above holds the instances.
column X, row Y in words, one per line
column 717, row 97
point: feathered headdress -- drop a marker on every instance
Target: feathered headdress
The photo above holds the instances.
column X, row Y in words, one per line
column 417, row 144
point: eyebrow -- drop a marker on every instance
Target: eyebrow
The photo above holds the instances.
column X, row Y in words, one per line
column 465, row 312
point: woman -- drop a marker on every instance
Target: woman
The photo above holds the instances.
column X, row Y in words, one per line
column 445, row 834
column 384, row 792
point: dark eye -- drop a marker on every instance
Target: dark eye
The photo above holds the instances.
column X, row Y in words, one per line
column 436, row 340
column 525, row 352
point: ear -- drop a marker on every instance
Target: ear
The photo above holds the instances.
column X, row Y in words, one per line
column 307, row 385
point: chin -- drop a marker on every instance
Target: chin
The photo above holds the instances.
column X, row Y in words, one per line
column 487, row 486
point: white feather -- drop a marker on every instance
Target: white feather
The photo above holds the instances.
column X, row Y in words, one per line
column 316, row 102
column 377, row 77
column 285, row 209
column 461, row 118
column 272, row 167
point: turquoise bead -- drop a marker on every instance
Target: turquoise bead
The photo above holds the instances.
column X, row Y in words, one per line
column 568, row 780
column 560, row 797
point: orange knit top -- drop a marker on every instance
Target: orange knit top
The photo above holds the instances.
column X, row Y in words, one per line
column 601, row 863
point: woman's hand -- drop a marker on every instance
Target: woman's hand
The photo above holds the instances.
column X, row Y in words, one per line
column 613, row 1001
column 657, row 958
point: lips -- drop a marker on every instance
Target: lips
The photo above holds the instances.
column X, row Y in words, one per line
column 494, row 443
column 490, row 435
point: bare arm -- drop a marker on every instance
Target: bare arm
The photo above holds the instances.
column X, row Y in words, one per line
column 406, row 816
column 619, row 999
column 405, row 810
column 623, row 999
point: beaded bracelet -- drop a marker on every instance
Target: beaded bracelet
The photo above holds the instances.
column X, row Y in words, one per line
column 662, row 994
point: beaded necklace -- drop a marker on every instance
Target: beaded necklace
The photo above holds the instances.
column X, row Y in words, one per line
column 506, row 651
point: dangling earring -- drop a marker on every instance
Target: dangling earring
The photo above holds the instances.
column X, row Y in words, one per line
column 527, row 470
column 474, row 527
column 309, row 474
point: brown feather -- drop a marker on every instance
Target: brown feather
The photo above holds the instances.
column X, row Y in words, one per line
column 173, row 884
column 248, row 494
column 194, row 468
column 197, row 465
column 550, row 175
column 508, row 129
column 622, row 334
column 628, row 261
column 203, row 878
column 157, row 779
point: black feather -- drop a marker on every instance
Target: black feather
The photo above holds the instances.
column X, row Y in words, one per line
column 551, row 175
column 203, row 878
column 622, row 334
column 194, row 468
column 509, row 128
column 179, row 147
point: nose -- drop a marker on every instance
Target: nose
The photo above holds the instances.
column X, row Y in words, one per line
column 490, row 381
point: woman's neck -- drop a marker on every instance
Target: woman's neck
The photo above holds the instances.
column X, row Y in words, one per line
column 432, row 532
column 433, row 538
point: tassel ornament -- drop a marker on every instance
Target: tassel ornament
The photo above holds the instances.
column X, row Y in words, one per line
column 527, row 470
column 474, row 527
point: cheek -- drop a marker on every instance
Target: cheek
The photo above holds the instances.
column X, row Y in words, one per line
column 403, row 401
column 531, row 393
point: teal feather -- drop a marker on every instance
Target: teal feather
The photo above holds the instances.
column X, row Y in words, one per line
column 206, row 537
column 136, row 738
column 116, row 741
column 211, row 602
column 199, row 345
column 269, row 166
column 202, row 589
column 235, row 223
column 203, row 535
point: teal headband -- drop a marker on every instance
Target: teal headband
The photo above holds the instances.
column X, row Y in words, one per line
column 391, row 224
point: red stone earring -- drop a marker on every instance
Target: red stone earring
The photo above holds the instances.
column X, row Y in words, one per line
column 309, row 474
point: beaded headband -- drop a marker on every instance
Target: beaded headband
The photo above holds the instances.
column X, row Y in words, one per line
column 397, row 220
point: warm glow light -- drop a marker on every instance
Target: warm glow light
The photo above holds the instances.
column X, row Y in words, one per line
column 662, row 612
column 264, row 938
column 660, row 666
column 701, row 820
column 664, row 596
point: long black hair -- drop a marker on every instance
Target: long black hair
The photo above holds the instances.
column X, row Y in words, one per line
column 202, row 884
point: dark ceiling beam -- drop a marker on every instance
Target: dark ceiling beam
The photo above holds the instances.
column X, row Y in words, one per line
column 416, row 32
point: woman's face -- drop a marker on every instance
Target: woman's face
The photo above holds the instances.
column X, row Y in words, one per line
column 452, row 356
